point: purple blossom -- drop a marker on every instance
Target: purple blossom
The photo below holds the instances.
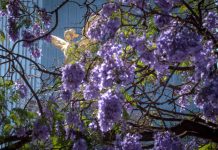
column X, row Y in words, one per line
column 21, row 132
column 177, row 43
column 39, row 31
column 210, row 21
column 3, row 12
column 112, row 72
column 72, row 76
column 40, row 130
column 13, row 8
column 73, row 119
column 13, row 30
column 91, row 91
column 21, row 89
column 35, row 52
column 148, row 58
column 60, row 130
column 80, row 144
column 36, row 29
column 161, row 21
column 48, row 111
column 108, row 9
column 204, row 61
column 183, row 100
column 47, row 38
column 131, row 142
column 93, row 125
column 165, row 5
column 192, row 144
column 209, row 111
column 13, row 12
column 70, row 134
column 110, row 49
column 206, row 99
column 109, row 110
column 138, row 3
column 103, row 29
column 45, row 16
column 137, row 43
column 107, row 147
column 27, row 35
column 167, row 141
column 65, row 94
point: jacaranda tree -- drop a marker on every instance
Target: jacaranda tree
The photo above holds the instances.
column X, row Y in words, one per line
column 142, row 75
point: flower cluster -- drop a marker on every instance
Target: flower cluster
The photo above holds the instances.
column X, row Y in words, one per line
column 162, row 21
column 91, row 91
column 108, row 9
column 17, row 20
column 113, row 70
column 36, row 52
column 139, row 43
column 109, row 110
column 80, row 144
column 167, row 141
column 45, row 17
column 111, row 73
column 177, row 43
column 204, row 61
column 137, row 3
column 183, row 100
column 40, row 130
column 206, row 99
column 21, row 132
column 72, row 76
column 165, row 5
column 136, row 42
column 103, row 29
column 65, row 94
column 27, row 35
column 13, row 12
column 210, row 21
column 13, row 8
column 192, row 144
column 73, row 119
column 131, row 142
column 21, row 89
column 110, row 50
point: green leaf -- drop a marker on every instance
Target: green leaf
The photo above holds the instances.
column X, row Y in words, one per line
column 55, row 142
column 2, row 95
column 210, row 146
column 15, row 97
column 6, row 83
column 2, row 36
column 3, row 4
column 26, row 147
column 125, row 114
column 15, row 118
column 152, row 29
column 7, row 128
column 182, row 9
